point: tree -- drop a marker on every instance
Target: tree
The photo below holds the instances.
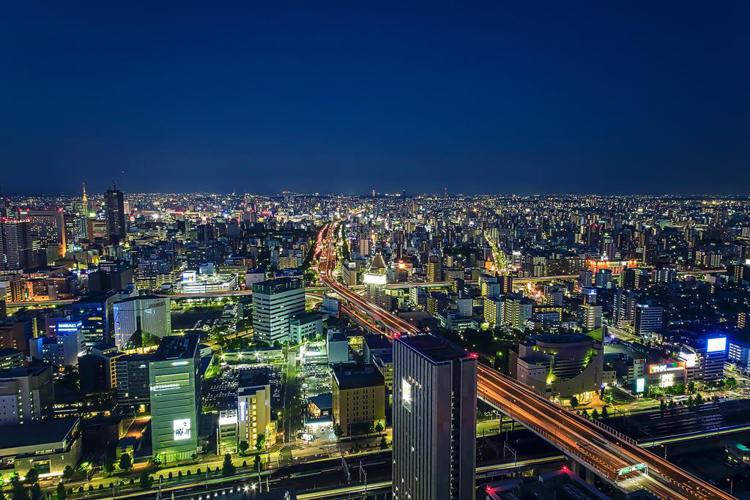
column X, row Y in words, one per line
column 228, row 468
column 109, row 464
column 260, row 443
column 61, row 493
column 605, row 413
column 337, row 430
column 256, row 463
column 585, row 414
column 146, row 481
column 662, row 405
column 32, row 476
column 36, row 492
column 243, row 447
column 690, row 401
column 383, row 443
column 573, row 402
column 125, row 462
column 595, row 415
column 379, row 427
column 68, row 473
column 19, row 491
column 698, row 399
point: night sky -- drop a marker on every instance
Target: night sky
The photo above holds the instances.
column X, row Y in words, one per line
column 498, row 97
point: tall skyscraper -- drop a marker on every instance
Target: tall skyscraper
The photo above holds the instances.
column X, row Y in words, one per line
column 434, row 419
column 16, row 247
column 175, row 398
column 114, row 208
column 274, row 303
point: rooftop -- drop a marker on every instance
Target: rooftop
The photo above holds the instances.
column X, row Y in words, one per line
column 36, row 433
column 277, row 285
column 307, row 317
column 434, row 348
column 377, row 342
column 354, row 378
column 24, row 371
column 177, row 347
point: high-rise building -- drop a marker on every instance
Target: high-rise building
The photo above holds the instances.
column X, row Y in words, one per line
column 62, row 345
column 114, row 211
column 648, row 320
column 493, row 311
column 175, row 398
column 131, row 380
column 434, row 419
column 26, row 395
column 254, row 417
column 434, row 269
column 16, row 335
column 275, row 301
column 705, row 357
column 592, row 317
column 517, row 311
column 47, row 227
column 16, row 245
column 506, row 284
column 147, row 314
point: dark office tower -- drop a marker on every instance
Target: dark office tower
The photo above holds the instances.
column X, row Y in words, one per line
column 15, row 245
column 114, row 207
column 434, row 419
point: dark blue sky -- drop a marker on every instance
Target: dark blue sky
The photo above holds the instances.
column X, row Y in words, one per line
column 500, row 97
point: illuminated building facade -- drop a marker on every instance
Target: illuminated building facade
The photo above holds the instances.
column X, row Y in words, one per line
column 174, row 384
column 254, row 415
column 146, row 313
column 274, row 303
column 358, row 396
column 434, row 419
column 15, row 245
column 705, row 357
column 561, row 365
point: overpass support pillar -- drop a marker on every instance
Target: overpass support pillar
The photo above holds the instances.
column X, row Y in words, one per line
column 580, row 470
column 589, row 476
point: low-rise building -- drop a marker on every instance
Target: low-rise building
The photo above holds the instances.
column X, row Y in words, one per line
column 358, row 399
column 48, row 447
column 559, row 365
column 305, row 326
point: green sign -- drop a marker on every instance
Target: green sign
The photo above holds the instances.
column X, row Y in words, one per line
column 632, row 468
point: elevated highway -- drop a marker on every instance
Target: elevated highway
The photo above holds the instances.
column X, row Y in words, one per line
column 605, row 452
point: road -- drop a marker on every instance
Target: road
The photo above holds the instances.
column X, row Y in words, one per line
column 603, row 450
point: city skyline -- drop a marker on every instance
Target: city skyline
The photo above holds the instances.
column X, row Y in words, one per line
column 495, row 98
column 353, row 250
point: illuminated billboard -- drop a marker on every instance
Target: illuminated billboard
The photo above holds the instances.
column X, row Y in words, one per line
column 717, row 344
column 640, row 385
column 181, row 429
column 665, row 367
column 406, row 394
column 374, row 279
column 666, row 380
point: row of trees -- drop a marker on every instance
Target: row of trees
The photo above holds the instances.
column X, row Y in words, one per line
column 691, row 402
